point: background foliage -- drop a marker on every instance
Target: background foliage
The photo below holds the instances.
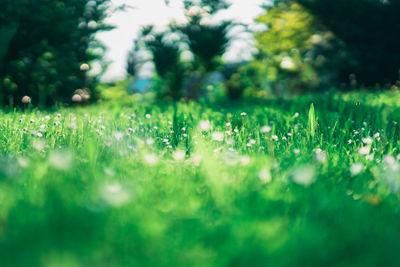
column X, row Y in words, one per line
column 44, row 44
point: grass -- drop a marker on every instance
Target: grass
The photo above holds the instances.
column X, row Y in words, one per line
column 307, row 181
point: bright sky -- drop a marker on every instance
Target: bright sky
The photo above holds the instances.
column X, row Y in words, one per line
column 143, row 12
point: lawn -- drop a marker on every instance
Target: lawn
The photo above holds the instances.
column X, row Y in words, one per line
column 312, row 180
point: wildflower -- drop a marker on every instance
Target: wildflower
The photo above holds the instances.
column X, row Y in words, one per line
column 23, row 162
column 243, row 114
column 321, row 156
column 151, row 159
column 367, row 140
column 218, row 136
column 42, row 128
column 150, row 141
column 356, row 168
column 265, row 176
column 197, row 159
column 296, row 151
column 148, row 116
column 179, row 155
column 204, row 125
column 118, row 136
column 72, row 126
column 244, row 160
column 38, row 145
column 364, row 150
column 228, row 124
column 60, row 160
column 32, row 120
column 274, row 137
column 304, row 175
column 266, row 129
column 296, row 115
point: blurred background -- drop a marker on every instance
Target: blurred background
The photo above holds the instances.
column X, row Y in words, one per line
column 74, row 52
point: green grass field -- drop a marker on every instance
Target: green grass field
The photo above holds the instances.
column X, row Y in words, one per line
column 258, row 183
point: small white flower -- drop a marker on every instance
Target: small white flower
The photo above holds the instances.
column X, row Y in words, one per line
column 265, row 176
column 72, row 126
column 218, row 136
column 148, row 116
column 150, row 141
column 356, row 168
column 274, row 137
column 244, row 160
column 367, row 140
column 118, row 136
column 151, row 159
column 304, row 175
column 243, row 114
column 296, row 151
column 266, row 129
column 364, row 150
column 179, row 155
column 204, row 125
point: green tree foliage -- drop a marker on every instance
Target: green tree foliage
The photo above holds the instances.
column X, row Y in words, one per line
column 46, row 42
column 166, row 55
column 207, row 41
column 370, row 30
column 284, row 45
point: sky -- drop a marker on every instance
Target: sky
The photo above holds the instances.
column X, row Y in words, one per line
column 144, row 12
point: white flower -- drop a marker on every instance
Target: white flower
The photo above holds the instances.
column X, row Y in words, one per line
column 244, row 160
column 367, row 140
column 151, row 159
column 72, row 126
column 296, row 151
column 118, row 136
column 304, row 175
column 148, row 116
column 265, row 176
column 150, row 141
column 356, row 168
column 179, row 155
column 321, row 156
column 274, row 137
column 197, row 159
column 218, row 136
column 364, row 150
column 204, row 125
column 60, row 160
column 243, row 114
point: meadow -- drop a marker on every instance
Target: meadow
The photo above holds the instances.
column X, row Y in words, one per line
column 311, row 180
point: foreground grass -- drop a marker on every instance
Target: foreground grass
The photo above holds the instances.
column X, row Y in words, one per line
column 267, row 183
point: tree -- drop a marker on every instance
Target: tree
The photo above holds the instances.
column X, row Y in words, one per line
column 50, row 41
column 207, row 41
column 370, row 31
